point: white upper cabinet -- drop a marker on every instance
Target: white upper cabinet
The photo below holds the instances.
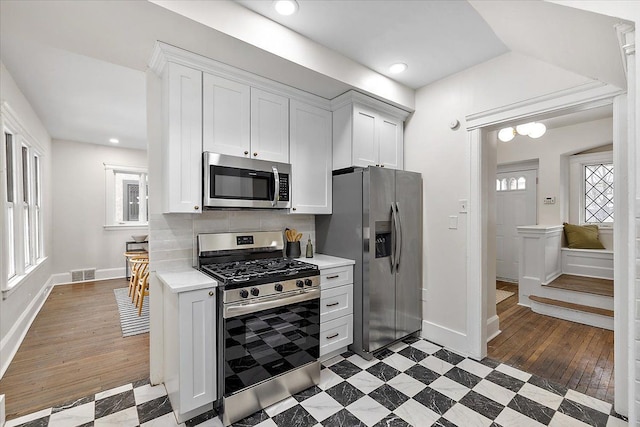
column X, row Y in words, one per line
column 182, row 139
column 226, row 116
column 310, row 148
column 269, row 126
column 367, row 132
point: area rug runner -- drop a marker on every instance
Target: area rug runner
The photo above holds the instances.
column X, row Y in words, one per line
column 131, row 323
column 500, row 295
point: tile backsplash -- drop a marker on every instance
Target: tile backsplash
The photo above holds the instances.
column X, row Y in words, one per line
column 172, row 237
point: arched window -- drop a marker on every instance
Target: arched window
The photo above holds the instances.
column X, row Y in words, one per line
column 513, row 185
column 522, row 183
column 503, row 184
column 497, row 185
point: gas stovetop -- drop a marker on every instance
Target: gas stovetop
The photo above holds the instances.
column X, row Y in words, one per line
column 253, row 272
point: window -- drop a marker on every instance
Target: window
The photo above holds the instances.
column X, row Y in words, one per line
column 591, row 188
column 511, row 184
column 127, row 200
column 22, row 229
column 598, row 198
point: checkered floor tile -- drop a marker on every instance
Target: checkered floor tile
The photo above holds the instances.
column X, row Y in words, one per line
column 413, row 383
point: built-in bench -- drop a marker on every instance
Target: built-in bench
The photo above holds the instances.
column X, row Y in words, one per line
column 588, row 262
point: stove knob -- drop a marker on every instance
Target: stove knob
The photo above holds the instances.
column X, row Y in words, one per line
column 308, row 282
column 244, row 293
column 299, row 283
column 255, row 291
column 278, row 287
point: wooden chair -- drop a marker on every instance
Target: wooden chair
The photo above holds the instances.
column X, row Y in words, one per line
column 139, row 266
column 142, row 290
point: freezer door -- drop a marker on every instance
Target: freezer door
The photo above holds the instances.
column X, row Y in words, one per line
column 378, row 279
column 409, row 254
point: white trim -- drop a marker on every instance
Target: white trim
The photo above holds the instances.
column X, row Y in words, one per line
column 525, row 165
column 577, row 163
column 131, row 226
column 353, row 96
column 119, row 168
column 163, row 53
column 15, row 281
column 578, row 98
column 2, row 410
column 446, row 337
column 12, row 121
column 493, row 327
column 11, row 342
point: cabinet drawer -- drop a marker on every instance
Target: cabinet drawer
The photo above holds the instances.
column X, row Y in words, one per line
column 338, row 276
column 336, row 334
column 336, row 302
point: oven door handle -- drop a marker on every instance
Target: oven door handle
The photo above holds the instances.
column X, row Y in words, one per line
column 252, row 307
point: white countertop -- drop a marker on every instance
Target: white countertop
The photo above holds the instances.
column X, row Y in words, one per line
column 185, row 280
column 327, row 261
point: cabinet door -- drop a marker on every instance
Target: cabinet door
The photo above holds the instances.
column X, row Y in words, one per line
column 197, row 348
column 390, row 142
column 226, row 116
column 183, row 139
column 365, row 141
column 269, row 126
column 310, row 159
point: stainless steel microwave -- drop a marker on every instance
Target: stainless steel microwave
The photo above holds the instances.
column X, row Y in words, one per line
column 236, row 182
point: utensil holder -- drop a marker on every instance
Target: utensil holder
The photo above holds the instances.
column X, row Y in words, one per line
column 292, row 250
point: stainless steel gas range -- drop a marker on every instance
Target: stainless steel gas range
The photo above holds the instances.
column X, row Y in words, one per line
column 268, row 320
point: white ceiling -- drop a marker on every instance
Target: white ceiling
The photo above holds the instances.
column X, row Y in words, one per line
column 81, row 64
column 435, row 38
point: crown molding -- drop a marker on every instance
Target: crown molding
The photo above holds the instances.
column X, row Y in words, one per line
column 354, row 97
column 163, row 53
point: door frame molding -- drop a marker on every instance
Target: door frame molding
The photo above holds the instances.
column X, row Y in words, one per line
column 583, row 97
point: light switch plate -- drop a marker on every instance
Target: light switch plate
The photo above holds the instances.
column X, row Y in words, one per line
column 463, row 204
column 453, row 222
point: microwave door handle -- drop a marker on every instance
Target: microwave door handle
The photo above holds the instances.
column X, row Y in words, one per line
column 276, row 190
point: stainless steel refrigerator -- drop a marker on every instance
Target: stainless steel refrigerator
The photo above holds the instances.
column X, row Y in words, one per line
column 377, row 221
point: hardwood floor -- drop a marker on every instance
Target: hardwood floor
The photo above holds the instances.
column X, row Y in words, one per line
column 73, row 349
column 570, row 354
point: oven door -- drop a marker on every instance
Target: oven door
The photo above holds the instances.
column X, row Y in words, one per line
column 236, row 182
column 267, row 338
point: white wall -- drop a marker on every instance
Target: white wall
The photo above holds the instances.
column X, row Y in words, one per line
column 442, row 156
column 80, row 239
column 548, row 149
column 20, row 305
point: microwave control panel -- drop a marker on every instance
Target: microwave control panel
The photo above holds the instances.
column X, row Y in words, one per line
column 284, row 187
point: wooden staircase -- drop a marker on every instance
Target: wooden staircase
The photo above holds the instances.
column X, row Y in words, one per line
column 579, row 299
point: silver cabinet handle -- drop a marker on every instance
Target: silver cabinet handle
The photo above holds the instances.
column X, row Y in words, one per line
column 333, row 277
column 276, row 190
column 332, row 336
column 332, row 304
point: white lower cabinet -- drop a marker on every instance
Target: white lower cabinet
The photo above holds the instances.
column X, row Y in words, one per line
column 190, row 351
column 336, row 310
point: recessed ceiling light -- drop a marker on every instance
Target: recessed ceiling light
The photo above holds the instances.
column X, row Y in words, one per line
column 286, row 7
column 398, row 68
column 114, row 140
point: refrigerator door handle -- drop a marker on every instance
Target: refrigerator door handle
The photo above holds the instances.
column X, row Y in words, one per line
column 394, row 238
column 398, row 250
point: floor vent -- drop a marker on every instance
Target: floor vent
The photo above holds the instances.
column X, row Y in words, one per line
column 82, row 275
column 77, row 275
column 90, row 274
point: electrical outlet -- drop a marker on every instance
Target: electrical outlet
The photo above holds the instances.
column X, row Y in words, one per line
column 463, row 205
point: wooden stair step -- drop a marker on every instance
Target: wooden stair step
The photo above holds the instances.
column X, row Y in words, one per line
column 589, row 285
column 572, row 306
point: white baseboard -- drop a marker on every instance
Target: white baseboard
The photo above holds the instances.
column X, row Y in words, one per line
column 591, row 319
column 104, row 274
column 453, row 340
column 11, row 342
column 493, row 327
column 3, row 413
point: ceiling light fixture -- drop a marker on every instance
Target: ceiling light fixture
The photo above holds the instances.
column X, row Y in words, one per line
column 286, row 7
column 506, row 134
column 114, row 140
column 531, row 129
column 398, row 67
